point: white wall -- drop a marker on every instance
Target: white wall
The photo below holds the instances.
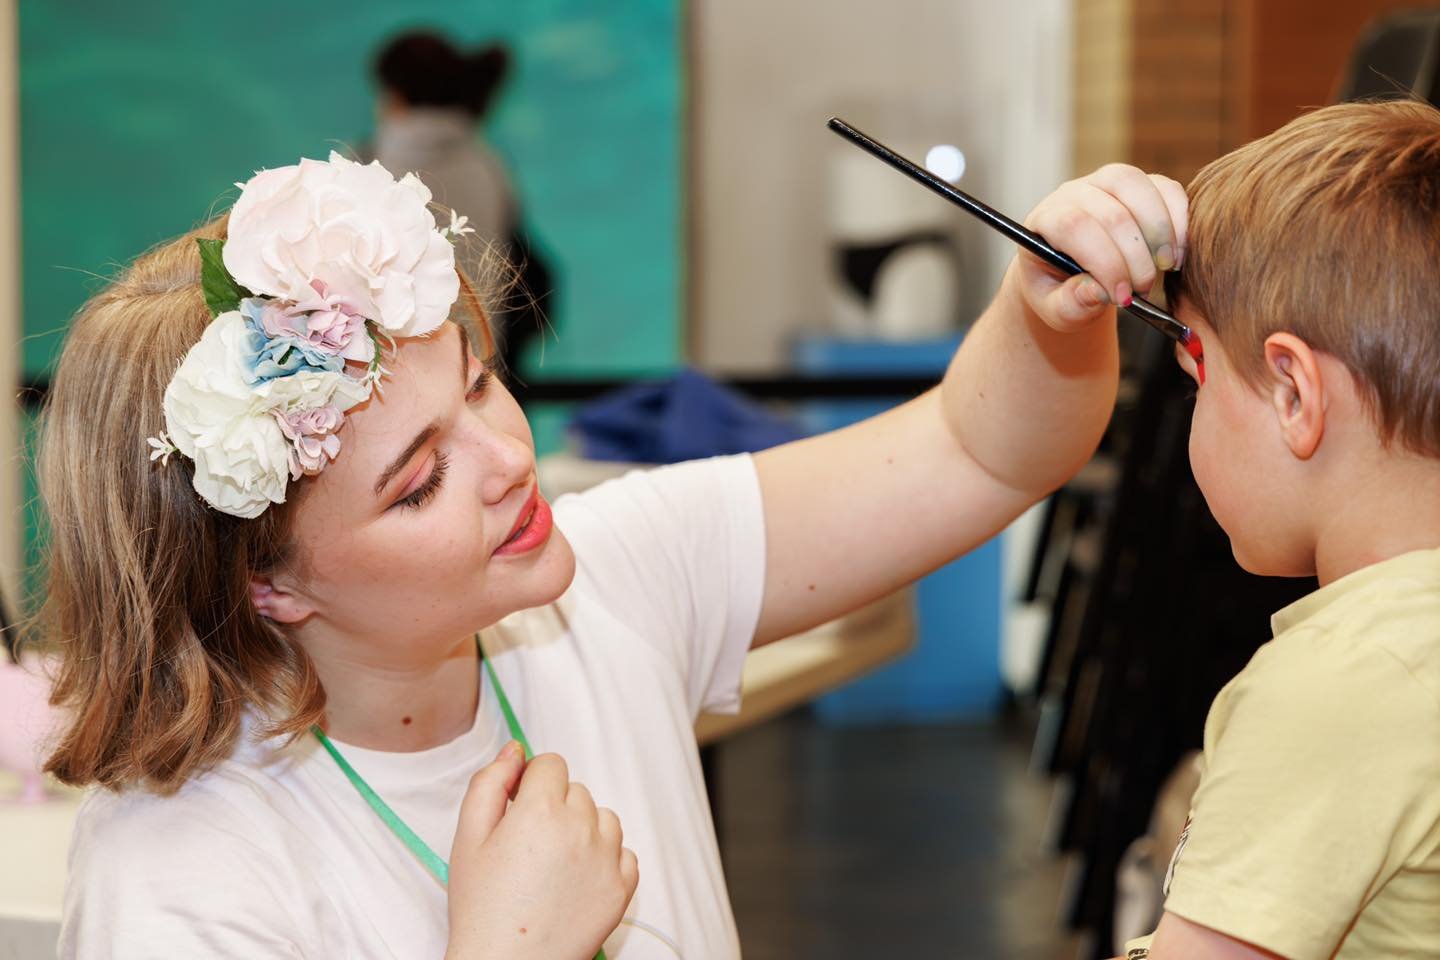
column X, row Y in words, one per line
column 992, row 77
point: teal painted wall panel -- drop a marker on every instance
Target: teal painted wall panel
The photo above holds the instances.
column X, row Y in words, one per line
column 137, row 118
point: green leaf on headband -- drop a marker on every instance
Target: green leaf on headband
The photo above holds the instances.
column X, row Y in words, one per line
column 222, row 293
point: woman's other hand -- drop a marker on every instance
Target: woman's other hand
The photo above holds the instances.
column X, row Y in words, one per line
column 537, row 869
column 1123, row 226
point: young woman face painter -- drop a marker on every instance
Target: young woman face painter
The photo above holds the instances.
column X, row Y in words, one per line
column 302, row 623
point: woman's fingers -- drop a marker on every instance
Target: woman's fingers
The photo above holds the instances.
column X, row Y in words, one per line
column 488, row 795
column 629, row 872
column 1121, row 223
column 1123, row 226
column 1141, row 196
column 609, row 826
column 579, row 800
column 547, row 777
column 553, row 860
column 1073, row 304
column 613, row 836
column 1178, row 205
column 1073, row 227
column 547, row 785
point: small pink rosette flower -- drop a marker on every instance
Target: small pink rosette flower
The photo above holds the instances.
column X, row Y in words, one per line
column 311, row 433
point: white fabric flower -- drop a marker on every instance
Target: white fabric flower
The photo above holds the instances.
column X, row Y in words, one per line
column 308, row 390
column 370, row 239
column 457, row 226
column 215, row 417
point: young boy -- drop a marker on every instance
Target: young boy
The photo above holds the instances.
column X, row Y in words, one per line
column 1311, row 277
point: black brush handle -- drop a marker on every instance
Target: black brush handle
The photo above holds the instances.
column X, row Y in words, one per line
column 1028, row 239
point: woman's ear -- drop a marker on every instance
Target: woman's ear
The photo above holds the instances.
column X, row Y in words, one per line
column 1297, row 393
column 276, row 603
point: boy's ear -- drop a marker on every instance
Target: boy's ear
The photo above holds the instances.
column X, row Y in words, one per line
column 276, row 603
column 1297, row 393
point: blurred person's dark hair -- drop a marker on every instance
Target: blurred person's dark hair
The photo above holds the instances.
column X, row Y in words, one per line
column 425, row 69
column 434, row 98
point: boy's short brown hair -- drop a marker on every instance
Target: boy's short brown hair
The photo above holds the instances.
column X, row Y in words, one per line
column 1329, row 228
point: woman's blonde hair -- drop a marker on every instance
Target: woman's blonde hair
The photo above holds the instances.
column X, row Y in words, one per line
column 148, row 588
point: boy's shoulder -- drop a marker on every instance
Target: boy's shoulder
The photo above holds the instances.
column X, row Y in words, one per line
column 1370, row 634
column 1317, row 820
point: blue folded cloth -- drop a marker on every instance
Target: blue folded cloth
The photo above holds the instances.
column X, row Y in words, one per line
column 687, row 417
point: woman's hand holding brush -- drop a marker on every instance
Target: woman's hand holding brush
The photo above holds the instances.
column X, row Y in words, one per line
column 1125, row 226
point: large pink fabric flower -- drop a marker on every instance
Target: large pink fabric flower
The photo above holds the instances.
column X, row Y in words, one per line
column 323, row 320
column 368, row 238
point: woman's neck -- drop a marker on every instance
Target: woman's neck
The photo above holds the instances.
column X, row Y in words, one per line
column 398, row 705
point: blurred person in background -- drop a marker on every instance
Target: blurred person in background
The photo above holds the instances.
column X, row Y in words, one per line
column 433, row 101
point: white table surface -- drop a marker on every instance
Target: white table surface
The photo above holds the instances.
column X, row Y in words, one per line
column 33, row 842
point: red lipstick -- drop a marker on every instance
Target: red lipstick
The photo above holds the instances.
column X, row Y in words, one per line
column 532, row 527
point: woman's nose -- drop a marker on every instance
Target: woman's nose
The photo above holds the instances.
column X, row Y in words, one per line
column 507, row 461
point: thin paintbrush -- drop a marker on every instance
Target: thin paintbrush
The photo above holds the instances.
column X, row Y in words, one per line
column 1028, row 239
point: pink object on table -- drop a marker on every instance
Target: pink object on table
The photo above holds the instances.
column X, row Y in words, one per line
column 26, row 721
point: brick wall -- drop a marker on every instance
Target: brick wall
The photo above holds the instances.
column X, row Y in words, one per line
column 1169, row 85
column 1181, row 86
column 1102, row 82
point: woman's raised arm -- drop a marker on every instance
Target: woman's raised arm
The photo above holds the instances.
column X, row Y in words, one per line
column 854, row 514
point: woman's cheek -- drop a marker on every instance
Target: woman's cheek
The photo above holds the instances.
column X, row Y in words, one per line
column 458, row 536
column 510, row 419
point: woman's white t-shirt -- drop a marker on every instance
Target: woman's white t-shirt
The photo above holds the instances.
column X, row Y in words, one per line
column 274, row 854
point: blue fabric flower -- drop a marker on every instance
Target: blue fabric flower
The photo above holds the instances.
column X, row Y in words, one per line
column 270, row 358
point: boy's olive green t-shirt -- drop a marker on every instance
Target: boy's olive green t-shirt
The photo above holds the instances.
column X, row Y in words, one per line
column 1315, row 831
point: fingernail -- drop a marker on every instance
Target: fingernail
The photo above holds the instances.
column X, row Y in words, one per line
column 1091, row 294
column 1179, row 259
column 1165, row 257
column 512, row 751
column 1123, row 296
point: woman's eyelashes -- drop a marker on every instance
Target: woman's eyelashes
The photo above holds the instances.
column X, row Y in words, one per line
column 478, row 385
column 418, row 497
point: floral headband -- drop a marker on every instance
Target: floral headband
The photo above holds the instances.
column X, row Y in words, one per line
column 322, row 261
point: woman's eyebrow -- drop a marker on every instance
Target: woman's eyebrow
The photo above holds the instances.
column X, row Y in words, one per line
column 399, row 462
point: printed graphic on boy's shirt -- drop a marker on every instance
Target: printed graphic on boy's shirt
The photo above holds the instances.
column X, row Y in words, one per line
column 1139, row 953
column 1175, row 857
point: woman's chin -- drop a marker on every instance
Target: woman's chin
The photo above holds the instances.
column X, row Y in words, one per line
column 559, row 560
column 543, row 577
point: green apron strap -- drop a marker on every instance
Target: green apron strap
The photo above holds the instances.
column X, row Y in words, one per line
column 427, row 857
